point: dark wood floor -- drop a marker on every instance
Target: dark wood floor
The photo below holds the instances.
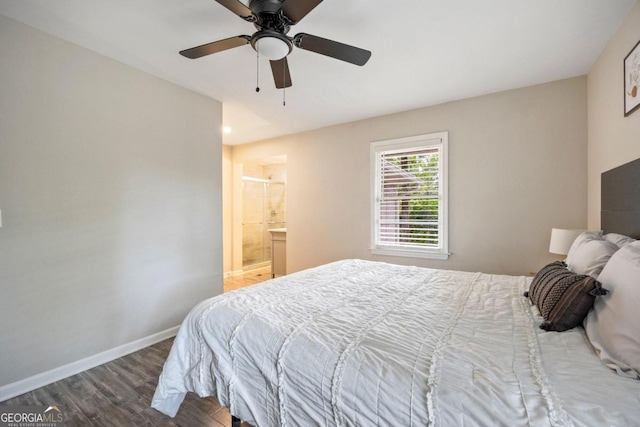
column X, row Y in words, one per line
column 119, row 393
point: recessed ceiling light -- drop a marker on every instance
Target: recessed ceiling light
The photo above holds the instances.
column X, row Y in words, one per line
column 226, row 129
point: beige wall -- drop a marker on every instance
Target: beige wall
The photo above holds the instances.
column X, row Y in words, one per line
column 517, row 168
column 613, row 138
column 110, row 191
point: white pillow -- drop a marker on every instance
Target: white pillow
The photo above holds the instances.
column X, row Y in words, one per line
column 613, row 326
column 618, row 239
column 589, row 253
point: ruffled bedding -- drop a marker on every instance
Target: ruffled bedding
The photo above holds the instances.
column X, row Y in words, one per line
column 362, row 343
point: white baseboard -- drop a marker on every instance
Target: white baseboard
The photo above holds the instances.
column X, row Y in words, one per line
column 233, row 273
column 40, row 380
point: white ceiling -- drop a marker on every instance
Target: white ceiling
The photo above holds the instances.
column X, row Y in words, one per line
column 425, row 52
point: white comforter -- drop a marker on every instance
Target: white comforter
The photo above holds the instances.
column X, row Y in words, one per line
column 360, row 343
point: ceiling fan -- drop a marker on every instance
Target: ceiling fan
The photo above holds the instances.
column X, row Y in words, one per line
column 273, row 19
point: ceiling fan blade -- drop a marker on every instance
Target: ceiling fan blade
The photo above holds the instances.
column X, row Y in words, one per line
column 331, row 48
column 238, row 8
column 280, row 70
column 215, row 47
column 295, row 10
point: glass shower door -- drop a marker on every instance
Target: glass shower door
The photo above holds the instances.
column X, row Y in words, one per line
column 253, row 224
column 274, row 212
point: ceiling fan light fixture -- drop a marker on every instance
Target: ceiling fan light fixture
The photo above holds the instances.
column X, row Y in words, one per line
column 272, row 48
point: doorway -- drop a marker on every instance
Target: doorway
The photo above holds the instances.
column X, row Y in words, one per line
column 263, row 208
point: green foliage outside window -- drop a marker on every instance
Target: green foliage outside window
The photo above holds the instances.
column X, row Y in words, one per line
column 417, row 197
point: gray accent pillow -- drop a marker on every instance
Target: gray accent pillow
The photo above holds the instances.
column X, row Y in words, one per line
column 613, row 326
column 563, row 297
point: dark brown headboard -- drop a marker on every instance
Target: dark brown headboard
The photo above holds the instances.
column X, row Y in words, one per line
column 620, row 197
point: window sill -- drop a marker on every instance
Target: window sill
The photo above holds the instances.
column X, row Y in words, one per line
column 410, row 253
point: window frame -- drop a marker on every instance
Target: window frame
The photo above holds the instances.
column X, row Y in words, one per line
column 438, row 140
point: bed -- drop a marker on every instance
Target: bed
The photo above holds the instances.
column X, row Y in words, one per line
column 363, row 343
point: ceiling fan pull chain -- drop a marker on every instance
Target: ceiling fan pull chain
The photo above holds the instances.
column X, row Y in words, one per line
column 257, row 71
column 284, row 88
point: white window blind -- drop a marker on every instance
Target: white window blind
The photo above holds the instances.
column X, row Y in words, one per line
column 409, row 196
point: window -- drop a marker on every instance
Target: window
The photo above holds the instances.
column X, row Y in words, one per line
column 409, row 189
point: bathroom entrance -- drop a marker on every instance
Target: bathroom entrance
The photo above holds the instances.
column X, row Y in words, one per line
column 263, row 208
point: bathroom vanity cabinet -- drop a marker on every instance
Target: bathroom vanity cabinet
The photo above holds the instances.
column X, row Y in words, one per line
column 278, row 251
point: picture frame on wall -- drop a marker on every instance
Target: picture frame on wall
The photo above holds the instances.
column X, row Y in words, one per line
column 632, row 80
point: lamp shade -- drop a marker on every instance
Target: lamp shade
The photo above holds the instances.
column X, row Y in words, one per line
column 272, row 48
column 561, row 240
